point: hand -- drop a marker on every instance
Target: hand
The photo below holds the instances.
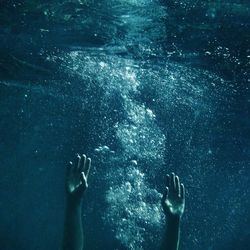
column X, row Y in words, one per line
column 173, row 200
column 76, row 178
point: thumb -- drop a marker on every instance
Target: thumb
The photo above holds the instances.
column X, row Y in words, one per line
column 84, row 183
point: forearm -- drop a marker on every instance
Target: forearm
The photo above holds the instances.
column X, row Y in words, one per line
column 172, row 234
column 73, row 231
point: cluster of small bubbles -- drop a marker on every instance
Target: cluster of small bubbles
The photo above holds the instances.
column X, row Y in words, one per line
column 103, row 64
column 138, row 2
column 140, row 135
column 121, row 73
column 133, row 208
column 130, row 235
column 104, row 150
column 150, row 113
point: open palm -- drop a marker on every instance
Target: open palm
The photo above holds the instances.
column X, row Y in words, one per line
column 173, row 200
column 77, row 176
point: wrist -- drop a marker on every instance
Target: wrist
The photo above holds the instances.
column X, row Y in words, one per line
column 173, row 218
column 73, row 202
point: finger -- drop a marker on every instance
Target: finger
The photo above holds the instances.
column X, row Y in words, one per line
column 168, row 181
column 87, row 168
column 83, row 163
column 78, row 163
column 172, row 181
column 84, row 183
column 165, row 195
column 182, row 192
column 177, row 185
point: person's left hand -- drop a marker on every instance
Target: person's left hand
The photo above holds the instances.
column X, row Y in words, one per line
column 76, row 178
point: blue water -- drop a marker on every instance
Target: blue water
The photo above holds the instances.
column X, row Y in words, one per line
column 144, row 87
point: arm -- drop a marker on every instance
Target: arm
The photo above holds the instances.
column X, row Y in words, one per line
column 76, row 184
column 173, row 203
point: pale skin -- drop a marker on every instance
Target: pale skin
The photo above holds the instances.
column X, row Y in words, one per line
column 76, row 184
column 173, row 204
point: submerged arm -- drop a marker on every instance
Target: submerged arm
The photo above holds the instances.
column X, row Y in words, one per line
column 173, row 203
column 76, row 184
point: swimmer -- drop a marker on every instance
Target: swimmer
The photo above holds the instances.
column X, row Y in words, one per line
column 76, row 185
column 173, row 204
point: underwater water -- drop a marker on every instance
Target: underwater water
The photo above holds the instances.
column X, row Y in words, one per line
column 143, row 87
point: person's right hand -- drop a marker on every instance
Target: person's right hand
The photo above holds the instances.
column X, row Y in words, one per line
column 173, row 200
